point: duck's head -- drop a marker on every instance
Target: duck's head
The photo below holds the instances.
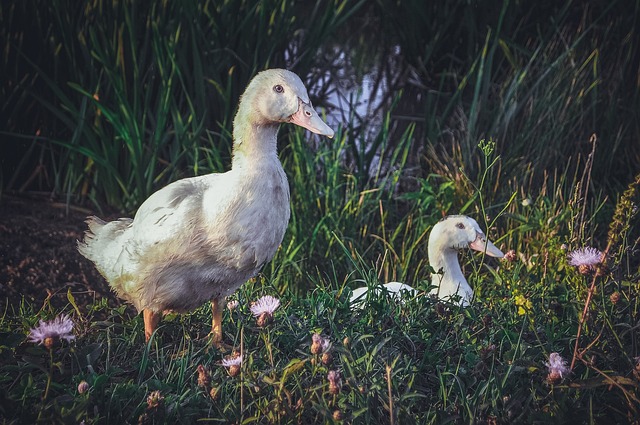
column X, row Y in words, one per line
column 458, row 232
column 278, row 96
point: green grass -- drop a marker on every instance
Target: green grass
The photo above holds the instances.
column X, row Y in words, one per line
column 135, row 95
column 496, row 122
column 418, row 362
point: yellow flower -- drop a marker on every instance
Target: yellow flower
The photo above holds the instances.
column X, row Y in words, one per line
column 524, row 305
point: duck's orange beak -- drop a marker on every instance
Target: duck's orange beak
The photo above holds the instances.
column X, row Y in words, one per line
column 483, row 244
column 308, row 118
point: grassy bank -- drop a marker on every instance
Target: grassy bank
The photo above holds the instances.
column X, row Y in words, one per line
column 522, row 117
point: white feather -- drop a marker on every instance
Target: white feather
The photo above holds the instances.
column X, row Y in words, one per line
column 395, row 290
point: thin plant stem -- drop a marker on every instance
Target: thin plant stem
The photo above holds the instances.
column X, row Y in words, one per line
column 46, row 390
column 267, row 343
column 49, row 376
column 585, row 310
column 242, row 373
column 391, row 421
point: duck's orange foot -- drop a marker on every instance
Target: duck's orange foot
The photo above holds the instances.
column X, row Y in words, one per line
column 216, row 327
column 151, row 320
column 217, row 343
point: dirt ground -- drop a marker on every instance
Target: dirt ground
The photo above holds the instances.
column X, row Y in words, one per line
column 38, row 256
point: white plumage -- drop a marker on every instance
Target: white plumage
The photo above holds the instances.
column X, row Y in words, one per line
column 200, row 238
column 396, row 290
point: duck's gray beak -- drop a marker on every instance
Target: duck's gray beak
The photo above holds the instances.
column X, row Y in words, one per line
column 308, row 118
column 483, row 244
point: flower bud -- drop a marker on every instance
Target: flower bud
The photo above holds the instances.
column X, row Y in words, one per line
column 154, row 400
column 83, row 387
column 204, row 378
column 554, row 377
column 584, row 269
column 234, row 370
column 214, row 393
column 264, row 319
column 615, row 297
column 49, row 342
column 510, row 256
column 335, row 381
column 316, row 344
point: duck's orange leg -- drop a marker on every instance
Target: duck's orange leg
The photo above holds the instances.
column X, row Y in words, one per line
column 151, row 320
column 216, row 326
column 216, row 321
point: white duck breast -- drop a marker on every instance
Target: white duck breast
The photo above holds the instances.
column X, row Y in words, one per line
column 200, row 238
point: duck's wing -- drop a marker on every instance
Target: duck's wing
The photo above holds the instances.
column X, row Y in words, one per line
column 117, row 247
column 181, row 207
column 170, row 212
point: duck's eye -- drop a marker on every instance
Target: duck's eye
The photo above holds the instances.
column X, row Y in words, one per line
column 460, row 226
column 278, row 88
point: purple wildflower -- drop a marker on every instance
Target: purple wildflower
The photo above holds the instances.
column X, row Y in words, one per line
column 335, row 381
column 232, row 305
column 48, row 332
column 319, row 344
column 233, row 364
column 263, row 309
column 510, row 256
column 586, row 256
column 557, row 368
column 266, row 304
column 232, row 361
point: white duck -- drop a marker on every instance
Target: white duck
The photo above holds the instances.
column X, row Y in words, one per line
column 200, row 238
column 448, row 236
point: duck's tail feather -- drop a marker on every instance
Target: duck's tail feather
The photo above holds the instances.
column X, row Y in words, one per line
column 85, row 246
column 103, row 243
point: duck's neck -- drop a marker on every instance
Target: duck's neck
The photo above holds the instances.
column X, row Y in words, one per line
column 442, row 257
column 253, row 142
